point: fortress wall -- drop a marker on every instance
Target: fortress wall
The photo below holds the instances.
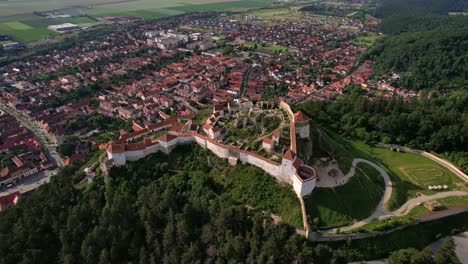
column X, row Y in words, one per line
column 185, row 139
column 119, row 158
column 223, row 151
column 271, row 168
column 152, row 149
column 218, row 150
column 134, row 155
column 303, row 188
column 200, row 141
column 285, row 106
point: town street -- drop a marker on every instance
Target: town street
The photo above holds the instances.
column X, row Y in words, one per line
column 40, row 133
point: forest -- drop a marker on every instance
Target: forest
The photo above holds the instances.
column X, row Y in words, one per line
column 428, row 60
column 424, row 43
column 437, row 124
column 188, row 207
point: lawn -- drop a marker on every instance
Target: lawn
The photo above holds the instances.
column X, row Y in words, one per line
column 410, row 173
column 266, row 47
column 367, row 41
column 345, row 204
column 16, row 25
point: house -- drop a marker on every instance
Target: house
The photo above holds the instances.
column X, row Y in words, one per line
column 218, row 109
column 276, row 136
column 74, row 157
column 13, row 172
column 9, row 199
column 268, row 144
column 214, row 132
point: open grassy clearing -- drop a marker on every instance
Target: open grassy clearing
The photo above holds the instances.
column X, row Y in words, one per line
column 170, row 7
column 410, row 173
column 390, row 223
column 266, row 47
column 367, row 41
column 45, row 22
column 241, row 5
column 278, row 13
column 23, row 32
column 251, row 186
column 342, row 205
column 454, row 201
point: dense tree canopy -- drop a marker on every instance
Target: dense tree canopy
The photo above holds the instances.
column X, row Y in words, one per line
column 436, row 124
column 424, row 42
column 159, row 210
column 428, row 60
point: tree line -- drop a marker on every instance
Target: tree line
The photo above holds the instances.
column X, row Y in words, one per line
column 424, row 43
column 173, row 209
column 437, row 124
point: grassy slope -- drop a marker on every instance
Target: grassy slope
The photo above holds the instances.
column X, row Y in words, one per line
column 401, row 166
column 243, row 185
column 345, row 150
column 355, row 200
column 250, row 186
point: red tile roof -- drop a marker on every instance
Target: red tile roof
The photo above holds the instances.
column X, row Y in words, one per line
column 289, row 155
column 116, row 148
column 301, row 117
column 166, row 137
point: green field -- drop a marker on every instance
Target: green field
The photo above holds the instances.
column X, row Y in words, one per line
column 18, row 21
column 44, row 22
column 266, row 47
column 23, row 32
column 410, row 173
column 20, row 7
column 352, row 201
column 367, row 41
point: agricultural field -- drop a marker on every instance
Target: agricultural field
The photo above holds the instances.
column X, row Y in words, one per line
column 278, row 13
column 22, row 25
column 342, row 205
column 23, row 32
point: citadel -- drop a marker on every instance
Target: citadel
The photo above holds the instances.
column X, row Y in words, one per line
column 291, row 169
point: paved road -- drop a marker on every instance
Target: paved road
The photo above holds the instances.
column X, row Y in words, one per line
column 380, row 210
column 40, row 133
column 461, row 246
column 406, row 207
